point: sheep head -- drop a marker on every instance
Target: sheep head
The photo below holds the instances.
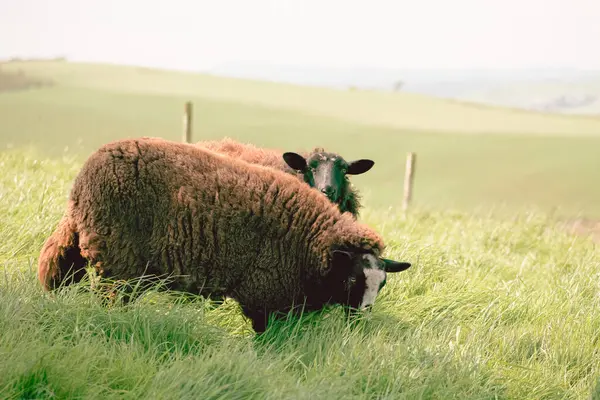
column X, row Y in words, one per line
column 327, row 171
column 356, row 277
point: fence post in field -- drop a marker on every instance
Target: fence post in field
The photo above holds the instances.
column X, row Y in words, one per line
column 187, row 122
column 409, row 175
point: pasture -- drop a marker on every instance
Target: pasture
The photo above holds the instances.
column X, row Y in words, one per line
column 484, row 158
column 502, row 302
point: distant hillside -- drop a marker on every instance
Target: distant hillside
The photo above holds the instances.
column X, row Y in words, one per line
column 469, row 156
column 547, row 90
column 581, row 96
column 394, row 110
column 17, row 80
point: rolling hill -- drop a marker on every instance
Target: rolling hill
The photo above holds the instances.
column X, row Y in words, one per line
column 393, row 110
column 559, row 90
column 469, row 156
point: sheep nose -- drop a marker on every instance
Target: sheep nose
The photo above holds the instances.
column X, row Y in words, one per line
column 328, row 191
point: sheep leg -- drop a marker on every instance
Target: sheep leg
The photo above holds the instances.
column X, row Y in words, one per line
column 259, row 318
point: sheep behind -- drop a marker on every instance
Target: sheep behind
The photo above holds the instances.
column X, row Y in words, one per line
column 325, row 171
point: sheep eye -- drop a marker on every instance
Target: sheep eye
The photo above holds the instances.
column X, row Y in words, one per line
column 352, row 280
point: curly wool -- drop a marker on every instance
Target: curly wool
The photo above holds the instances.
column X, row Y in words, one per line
column 217, row 225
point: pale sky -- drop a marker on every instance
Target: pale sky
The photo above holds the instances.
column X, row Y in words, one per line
column 200, row 34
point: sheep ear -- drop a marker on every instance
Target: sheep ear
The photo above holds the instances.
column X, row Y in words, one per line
column 340, row 261
column 395, row 266
column 359, row 166
column 295, row 161
column 340, row 256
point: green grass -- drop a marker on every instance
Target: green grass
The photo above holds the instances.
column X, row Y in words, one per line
column 469, row 157
column 491, row 309
column 499, row 304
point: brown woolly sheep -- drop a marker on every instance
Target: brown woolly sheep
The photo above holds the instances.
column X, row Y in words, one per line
column 327, row 172
column 216, row 226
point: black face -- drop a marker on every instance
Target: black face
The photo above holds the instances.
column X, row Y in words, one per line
column 327, row 171
column 355, row 279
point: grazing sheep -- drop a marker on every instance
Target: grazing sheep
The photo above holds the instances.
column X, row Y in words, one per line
column 216, row 226
column 325, row 171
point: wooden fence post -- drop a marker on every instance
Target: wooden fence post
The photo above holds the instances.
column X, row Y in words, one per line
column 187, row 122
column 409, row 176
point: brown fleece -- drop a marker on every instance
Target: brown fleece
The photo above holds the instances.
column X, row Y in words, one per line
column 216, row 224
column 248, row 152
column 61, row 256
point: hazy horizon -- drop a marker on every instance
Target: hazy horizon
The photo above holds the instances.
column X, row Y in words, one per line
column 203, row 35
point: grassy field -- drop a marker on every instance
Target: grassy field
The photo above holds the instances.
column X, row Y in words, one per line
column 468, row 156
column 491, row 309
column 497, row 305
